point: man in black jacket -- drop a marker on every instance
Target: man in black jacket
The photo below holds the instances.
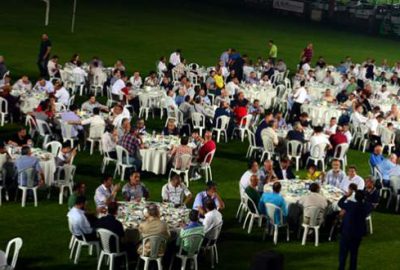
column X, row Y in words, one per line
column 283, row 170
column 353, row 226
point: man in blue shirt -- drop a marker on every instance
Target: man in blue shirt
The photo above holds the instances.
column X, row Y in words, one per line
column 209, row 193
column 263, row 125
column 386, row 167
column 274, row 198
column 376, row 156
column 26, row 161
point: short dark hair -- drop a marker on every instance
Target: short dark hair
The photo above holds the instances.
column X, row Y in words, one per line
column 194, row 215
column 66, row 144
column 210, row 185
column 112, row 208
column 276, row 187
column 96, row 111
column 77, row 186
column 25, row 150
column 209, row 204
column 80, row 200
column 251, row 162
column 359, row 196
column 184, row 140
column 353, row 187
column 314, row 187
column 318, row 129
column 302, row 83
column 106, row 178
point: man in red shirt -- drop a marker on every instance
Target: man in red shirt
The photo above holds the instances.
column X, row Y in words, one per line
column 337, row 138
column 207, row 147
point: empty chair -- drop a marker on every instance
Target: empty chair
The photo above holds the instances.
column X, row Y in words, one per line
column 106, row 238
column 317, row 154
column 44, row 131
column 98, row 82
column 211, row 238
column 79, row 83
column 15, row 243
column 3, row 110
column 191, row 254
column 110, row 100
column 252, row 213
column 95, row 133
column 31, row 123
column 206, row 165
column 294, row 151
column 156, row 242
column 27, row 181
column 122, row 161
column 387, row 139
column 65, row 179
column 395, row 184
column 60, row 107
column 252, row 145
column 79, row 243
column 221, row 127
column 68, row 133
column 182, row 166
column 199, row 122
column 54, row 146
column 243, row 126
column 312, row 220
column 145, row 107
column 384, row 191
column 268, row 150
column 272, row 210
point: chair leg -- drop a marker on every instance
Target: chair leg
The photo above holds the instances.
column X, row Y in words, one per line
column 100, row 260
column 212, row 257
column 371, row 230
column 275, row 234
column 72, row 247
column 111, row 262
column 303, row 242
column 91, row 147
column 35, row 197
column 60, row 195
column 23, row 199
column 159, row 264
column 184, row 261
column 239, row 210
column 123, row 174
column 216, row 253
column 78, row 253
column 316, row 230
column 126, row 262
column 287, row 233
column 250, row 224
column 195, row 262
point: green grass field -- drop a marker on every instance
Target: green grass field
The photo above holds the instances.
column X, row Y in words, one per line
column 140, row 33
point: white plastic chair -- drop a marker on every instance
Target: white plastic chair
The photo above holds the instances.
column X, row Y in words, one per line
column 206, row 165
column 67, row 133
column 106, row 237
column 54, row 146
column 221, row 127
column 122, row 161
column 313, row 214
column 98, row 82
column 317, row 154
column 71, row 101
column 252, row 145
column 271, row 210
column 145, row 107
column 395, row 184
column 195, row 245
column 83, row 243
column 184, row 162
column 79, row 83
column 268, row 150
column 95, row 133
column 68, row 171
column 3, row 110
column 199, row 122
column 156, row 242
column 340, row 153
column 211, row 238
column 106, row 159
column 17, row 244
column 29, row 174
column 384, row 191
column 243, row 126
column 251, row 216
column 387, row 139
column 294, row 151
column 243, row 206
column 110, row 100
column 369, row 223
column 60, row 107
column 31, row 123
column 44, row 131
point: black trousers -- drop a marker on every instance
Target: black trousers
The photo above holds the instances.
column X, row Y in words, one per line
column 349, row 245
column 295, row 112
column 42, row 65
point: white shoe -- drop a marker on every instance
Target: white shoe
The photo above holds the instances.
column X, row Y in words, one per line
column 196, row 177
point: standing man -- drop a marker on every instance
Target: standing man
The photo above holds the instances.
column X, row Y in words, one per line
column 44, row 55
column 273, row 51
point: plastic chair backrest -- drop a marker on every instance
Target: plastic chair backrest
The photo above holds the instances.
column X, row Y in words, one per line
column 209, row 157
column 341, row 150
column 294, row 148
column 55, row 147
column 223, row 122
column 198, row 119
column 250, row 201
column 66, row 130
column 271, row 210
column 252, row 138
column 268, row 145
column 96, row 131
column 69, row 173
column 60, row 107
column 214, row 232
column 387, row 136
column 144, row 101
column 245, row 121
column 318, row 151
column 395, row 184
column 17, row 243
column 29, row 174
column 106, row 238
column 3, row 105
column 193, row 242
column 43, row 127
column 313, row 213
column 121, row 154
column 184, row 162
column 377, row 174
column 156, row 242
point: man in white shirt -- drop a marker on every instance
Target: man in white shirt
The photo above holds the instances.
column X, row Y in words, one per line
column 252, row 170
column 52, row 67
column 118, row 115
column 300, row 96
column 116, row 89
column 79, row 224
column 175, row 59
column 44, row 86
column 383, row 93
column 314, row 199
column 23, row 84
column 176, row 192
column 335, row 176
column 213, row 217
column 331, row 128
column 357, row 116
column 61, row 93
column 162, row 67
column 319, row 138
column 91, row 104
column 136, row 80
column 352, row 177
column 79, row 72
column 233, row 87
column 170, row 100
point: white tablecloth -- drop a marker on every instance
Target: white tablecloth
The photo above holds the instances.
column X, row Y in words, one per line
column 154, row 160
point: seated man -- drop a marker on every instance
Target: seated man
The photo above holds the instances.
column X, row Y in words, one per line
column 252, row 191
column 212, row 216
column 283, row 170
column 385, row 168
column 176, row 192
column 152, row 226
column 65, row 155
column 314, row 199
column 80, row 225
column 109, row 222
column 371, row 194
column 334, row 176
column 77, row 190
column 352, row 177
column 252, row 170
column 275, row 198
column 131, row 143
column 376, row 156
column 170, row 129
column 266, row 174
column 26, row 161
column 297, row 134
column 92, row 103
column 178, row 151
column 134, row 190
column 193, row 227
column 209, row 193
column 21, row 138
column 105, row 194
